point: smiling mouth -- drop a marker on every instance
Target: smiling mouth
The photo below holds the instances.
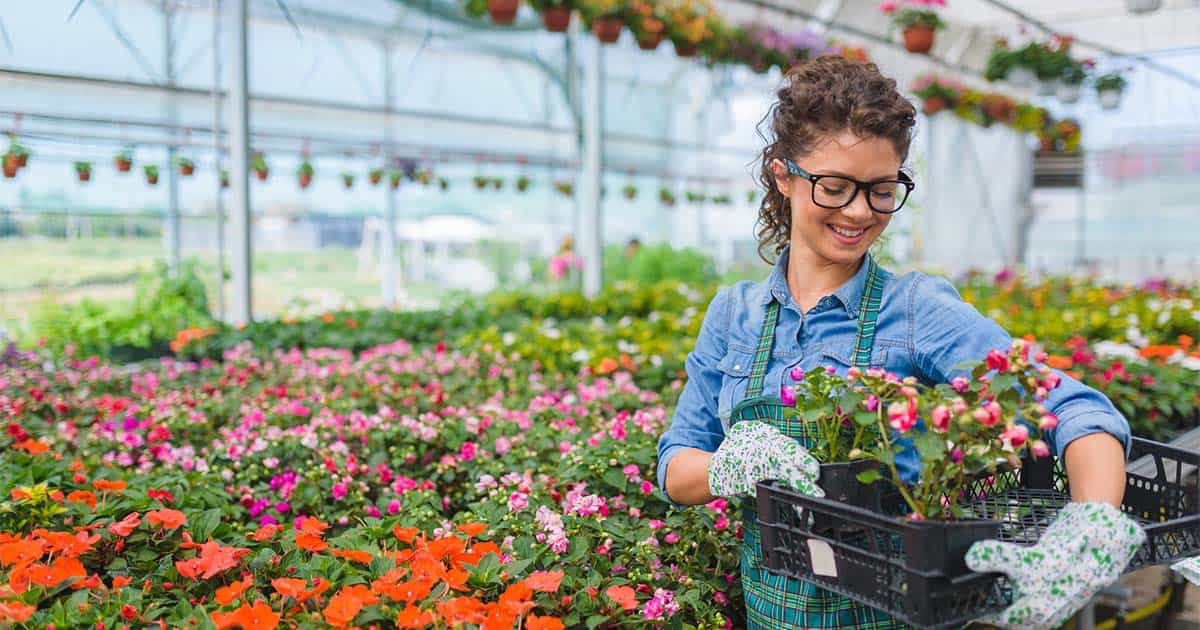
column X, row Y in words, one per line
column 847, row 232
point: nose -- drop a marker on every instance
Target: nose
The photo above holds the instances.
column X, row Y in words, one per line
column 859, row 211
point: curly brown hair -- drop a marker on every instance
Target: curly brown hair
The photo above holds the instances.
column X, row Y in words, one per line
column 824, row 96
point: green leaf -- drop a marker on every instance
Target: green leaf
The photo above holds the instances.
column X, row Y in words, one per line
column 869, row 476
column 930, row 445
column 596, row 620
column 205, row 523
column 616, row 478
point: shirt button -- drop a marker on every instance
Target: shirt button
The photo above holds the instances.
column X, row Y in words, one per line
column 737, row 367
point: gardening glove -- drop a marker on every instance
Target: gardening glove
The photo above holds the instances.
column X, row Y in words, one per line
column 1086, row 548
column 754, row 451
column 1189, row 569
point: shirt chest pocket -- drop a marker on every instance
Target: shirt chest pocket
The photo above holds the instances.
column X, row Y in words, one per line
column 842, row 358
column 735, row 368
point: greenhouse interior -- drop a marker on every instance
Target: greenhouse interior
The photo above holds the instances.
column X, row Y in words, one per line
column 582, row 314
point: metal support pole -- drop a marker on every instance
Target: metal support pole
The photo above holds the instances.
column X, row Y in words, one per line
column 239, row 161
column 592, row 162
column 387, row 254
column 220, row 194
column 171, row 229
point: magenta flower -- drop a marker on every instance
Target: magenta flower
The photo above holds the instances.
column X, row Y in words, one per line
column 1048, row 422
column 787, row 396
column 671, row 538
column 1039, row 449
column 797, row 374
column 871, row 403
column 940, row 418
column 997, row 360
column 960, row 384
column 467, row 451
column 339, row 490
column 1015, row 435
column 518, row 501
column 647, row 487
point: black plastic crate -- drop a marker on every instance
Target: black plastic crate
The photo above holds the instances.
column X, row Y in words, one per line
column 915, row 571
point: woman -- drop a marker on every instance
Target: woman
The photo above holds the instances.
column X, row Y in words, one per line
column 840, row 133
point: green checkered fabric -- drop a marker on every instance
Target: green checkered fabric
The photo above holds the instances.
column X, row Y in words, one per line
column 774, row 601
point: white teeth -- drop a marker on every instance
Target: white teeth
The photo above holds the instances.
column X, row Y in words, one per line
column 846, row 233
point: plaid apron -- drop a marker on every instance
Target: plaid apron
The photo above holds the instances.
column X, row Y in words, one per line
column 774, row 601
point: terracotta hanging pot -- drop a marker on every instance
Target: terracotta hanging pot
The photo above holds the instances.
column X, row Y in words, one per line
column 152, row 180
column 918, row 38
column 123, row 165
column 305, row 180
column 22, row 160
column 557, row 19
column 686, row 49
column 933, row 105
column 85, row 176
column 503, row 11
column 10, row 169
column 13, row 161
column 607, row 29
column 187, row 170
column 650, row 41
column 262, row 174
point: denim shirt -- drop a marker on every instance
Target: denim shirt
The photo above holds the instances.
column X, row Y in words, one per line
column 924, row 330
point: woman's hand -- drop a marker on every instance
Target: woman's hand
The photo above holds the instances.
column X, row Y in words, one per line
column 1085, row 549
column 755, row 451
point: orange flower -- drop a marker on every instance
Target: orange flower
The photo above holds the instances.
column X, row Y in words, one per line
column 543, row 623
column 311, row 542
column 289, row 587
column 311, row 525
column 462, row 610
column 83, row 496
column 410, row 591
column 256, row 617
column 327, row 318
column 544, row 581
column 265, row 533
column 1162, row 352
column 413, row 618
column 1186, row 341
column 125, row 526
column 18, row 494
column 344, row 606
column 1060, row 362
column 444, row 547
column 472, row 529
column 516, row 599
column 405, row 534
column 70, row 545
column 353, row 555
column 623, row 595
column 20, row 552
column 16, row 611
column 120, row 582
column 169, row 519
column 226, row 594
column 104, row 485
column 456, row 579
column 607, row 366
column 213, row 559
column 33, row 447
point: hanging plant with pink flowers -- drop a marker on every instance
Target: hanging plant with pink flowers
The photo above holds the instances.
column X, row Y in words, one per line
column 918, row 19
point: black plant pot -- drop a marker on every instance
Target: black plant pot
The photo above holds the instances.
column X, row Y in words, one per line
column 840, row 482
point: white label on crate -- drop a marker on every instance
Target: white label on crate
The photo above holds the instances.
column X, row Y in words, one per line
column 821, row 555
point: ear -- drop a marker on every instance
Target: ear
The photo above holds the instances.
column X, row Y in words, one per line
column 783, row 179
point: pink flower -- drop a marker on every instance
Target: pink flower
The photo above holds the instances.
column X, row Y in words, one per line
column 721, row 523
column 393, row 506
column 960, row 384
column 467, row 451
column 647, row 487
column 656, row 524
column 339, row 490
column 997, row 360
column 1015, row 435
column 956, row 456
column 888, row 7
column 940, row 418
column 517, row 502
column 854, row 372
column 871, row 403
column 559, row 266
column 983, row 417
column 503, row 445
column 671, row 538
column 903, row 415
column 631, row 470
column 1048, row 422
column 787, row 396
column 1039, row 449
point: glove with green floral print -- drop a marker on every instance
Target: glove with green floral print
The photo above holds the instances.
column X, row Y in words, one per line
column 1189, row 569
column 1085, row 549
column 754, row 451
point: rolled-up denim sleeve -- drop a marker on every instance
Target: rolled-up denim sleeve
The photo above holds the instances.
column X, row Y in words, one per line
column 695, row 423
column 946, row 331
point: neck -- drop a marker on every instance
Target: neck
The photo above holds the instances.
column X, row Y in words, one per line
column 810, row 278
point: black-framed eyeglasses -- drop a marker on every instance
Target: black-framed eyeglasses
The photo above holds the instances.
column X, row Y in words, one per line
column 884, row 196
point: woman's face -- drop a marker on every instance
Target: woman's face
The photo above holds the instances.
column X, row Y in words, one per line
column 839, row 236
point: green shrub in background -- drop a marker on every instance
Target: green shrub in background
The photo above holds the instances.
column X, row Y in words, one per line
column 658, row 262
column 161, row 307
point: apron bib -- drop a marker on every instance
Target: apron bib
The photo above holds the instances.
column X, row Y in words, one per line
column 775, row 601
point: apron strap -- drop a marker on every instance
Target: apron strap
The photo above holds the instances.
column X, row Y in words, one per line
column 762, row 354
column 864, row 341
column 868, row 315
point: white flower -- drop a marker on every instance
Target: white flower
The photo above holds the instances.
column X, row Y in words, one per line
column 1117, row 349
column 552, row 333
column 581, row 356
column 508, row 338
column 655, row 360
column 626, row 347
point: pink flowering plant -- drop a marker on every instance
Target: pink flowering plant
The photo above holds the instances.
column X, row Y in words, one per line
column 827, row 403
column 963, row 430
column 908, row 13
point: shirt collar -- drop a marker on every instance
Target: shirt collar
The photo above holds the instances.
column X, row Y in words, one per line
column 849, row 294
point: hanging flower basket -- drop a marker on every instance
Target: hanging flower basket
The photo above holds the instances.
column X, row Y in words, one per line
column 1068, row 93
column 608, row 29
column 630, row 191
column 151, row 172
column 84, row 171
column 1022, row 77
column 224, row 179
column 187, row 168
column 1109, row 89
column 348, row 180
column 918, row 38
column 650, row 41
column 1143, row 6
column 10, row 167
column 304, row 174
column 394, row 179
column 503, row 11
column 376, row 176
column 259, row 164
column 123, row 161
column 556, row 19
column 522, row 183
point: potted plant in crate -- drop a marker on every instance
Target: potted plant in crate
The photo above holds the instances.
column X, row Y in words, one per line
column 606, row 18
column 151, row 172
column 304, row 174
column 259, row 165
column 556, row 14
column 123, row 160
column 687, row 25
column 1109, row 88
column 918, row 20
column 83, row 170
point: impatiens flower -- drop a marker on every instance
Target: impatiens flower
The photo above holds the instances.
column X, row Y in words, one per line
column 871, row 403
column 624, row 596
column 960, row 384
column 1039, row 449
column 339, row 491
column 982, row 416
column 797, row 374
column 940, row 418
column 903, row 415
column 125, row 526
column 661, row 605
column 169, row 519
column 518, row 501
column 671, row 538
column 467, row 451
column 1015, row 435
column 647, row 487
column 853, row 373
column 997, row 360
column 787, row 396
column 1048, row 422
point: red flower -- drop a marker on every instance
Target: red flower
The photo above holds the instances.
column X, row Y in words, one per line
column 125, row 526
column 544, row 581
column 129, row 612
column 169, row 519
column 623, row 595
